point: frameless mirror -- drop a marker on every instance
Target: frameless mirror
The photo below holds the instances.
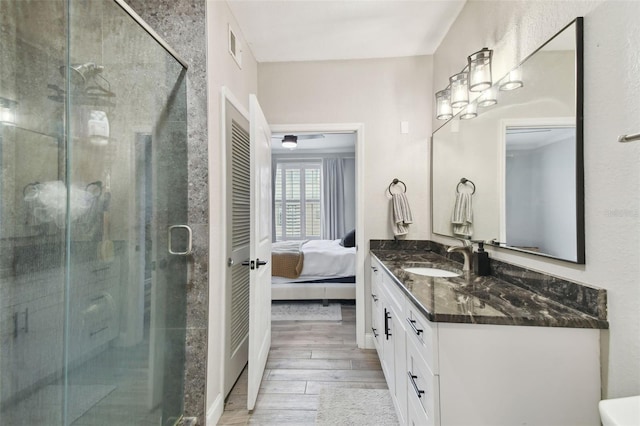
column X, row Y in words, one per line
column 514, row 174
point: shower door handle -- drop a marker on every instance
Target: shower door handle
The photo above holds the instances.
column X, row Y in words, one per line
column 189, row 248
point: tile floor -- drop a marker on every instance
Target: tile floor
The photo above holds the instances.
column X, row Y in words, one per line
column 305, row 357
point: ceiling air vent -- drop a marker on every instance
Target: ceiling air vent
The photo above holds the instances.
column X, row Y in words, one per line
column 234, row 47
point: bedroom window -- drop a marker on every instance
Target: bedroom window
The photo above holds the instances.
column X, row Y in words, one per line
column 297, row 200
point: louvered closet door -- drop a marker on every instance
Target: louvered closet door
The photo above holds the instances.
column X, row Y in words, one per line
column 238, row 227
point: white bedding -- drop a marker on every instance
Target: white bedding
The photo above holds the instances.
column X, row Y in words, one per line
column 322, row 258
column 327, row 258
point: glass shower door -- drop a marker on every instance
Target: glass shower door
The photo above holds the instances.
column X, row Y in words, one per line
column 32, row 216
column 94, row 176
column 127, row 147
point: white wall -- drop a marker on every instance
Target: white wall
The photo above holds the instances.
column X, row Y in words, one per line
column 380, row 93
column 222, row 71
column 612, row 170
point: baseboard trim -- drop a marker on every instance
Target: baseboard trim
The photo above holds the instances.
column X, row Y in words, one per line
column 215, row 411
column 368, row 341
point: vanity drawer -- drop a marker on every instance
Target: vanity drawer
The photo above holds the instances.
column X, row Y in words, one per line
column 395, row 298
column 423, row 334
column 423, row 392
column 415, row 414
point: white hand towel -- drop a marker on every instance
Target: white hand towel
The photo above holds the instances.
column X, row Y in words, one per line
column 401, row 217
column 462, row 216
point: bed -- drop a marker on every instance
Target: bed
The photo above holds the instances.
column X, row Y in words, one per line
column 313, row 269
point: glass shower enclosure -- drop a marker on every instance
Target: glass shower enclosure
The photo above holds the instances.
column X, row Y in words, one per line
column 93, row 247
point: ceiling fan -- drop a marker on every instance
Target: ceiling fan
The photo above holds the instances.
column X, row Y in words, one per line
column 291, row 141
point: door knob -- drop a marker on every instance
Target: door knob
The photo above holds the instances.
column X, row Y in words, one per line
column 260, row 263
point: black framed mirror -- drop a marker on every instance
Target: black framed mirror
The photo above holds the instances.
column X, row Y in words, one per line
column 515, row 173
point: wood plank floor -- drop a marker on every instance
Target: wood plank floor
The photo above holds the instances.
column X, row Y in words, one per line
column 305, row 357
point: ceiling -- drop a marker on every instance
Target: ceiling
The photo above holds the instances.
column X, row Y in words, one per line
column 294, row 30
column 528, row 138
column 330, row 142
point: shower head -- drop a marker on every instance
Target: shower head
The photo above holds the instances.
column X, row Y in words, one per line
column 80, row 73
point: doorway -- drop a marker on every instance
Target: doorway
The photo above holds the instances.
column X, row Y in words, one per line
column 357, row 130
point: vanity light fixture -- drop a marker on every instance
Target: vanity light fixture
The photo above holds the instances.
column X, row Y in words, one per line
column 469, row 112
column 290, row 141
column 443, row 105
column 7, row 111
column 488, row 97
column 475, row 77
column 479, row 64
column 513, row 80
column 459, row 89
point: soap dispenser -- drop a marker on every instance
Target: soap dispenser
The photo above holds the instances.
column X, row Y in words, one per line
column 481, row 261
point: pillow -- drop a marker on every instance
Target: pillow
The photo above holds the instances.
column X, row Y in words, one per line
column 349, row 240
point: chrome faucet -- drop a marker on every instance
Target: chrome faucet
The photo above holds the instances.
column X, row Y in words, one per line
column 467, row 251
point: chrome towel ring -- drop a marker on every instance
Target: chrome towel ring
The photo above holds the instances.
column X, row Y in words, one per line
column 396, row 181
column 465, row 181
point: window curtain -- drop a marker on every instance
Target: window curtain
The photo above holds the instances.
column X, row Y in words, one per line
column 332, row 199
column 274, row 170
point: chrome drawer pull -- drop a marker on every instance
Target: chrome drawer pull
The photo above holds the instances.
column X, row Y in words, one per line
column 412, row 323
column 413, row 378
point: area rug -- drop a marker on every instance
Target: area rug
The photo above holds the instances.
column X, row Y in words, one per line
column 355, row 407
column 305, row 311
column 45, row 405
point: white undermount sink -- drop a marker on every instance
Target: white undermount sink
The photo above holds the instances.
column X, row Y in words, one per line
column 620, row 411
column 432, row 272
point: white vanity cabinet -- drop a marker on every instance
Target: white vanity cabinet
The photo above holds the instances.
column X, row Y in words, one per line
column 484, row 374
column 387, row 313
column 32, row 321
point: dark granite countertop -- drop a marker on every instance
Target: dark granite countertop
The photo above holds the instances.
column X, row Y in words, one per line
column 473, row 299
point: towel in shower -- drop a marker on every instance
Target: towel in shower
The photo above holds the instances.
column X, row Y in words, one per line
column 401, row 214
column 462, row 217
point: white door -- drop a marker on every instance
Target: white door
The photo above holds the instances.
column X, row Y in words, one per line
column 238, row 224
column 260, row 250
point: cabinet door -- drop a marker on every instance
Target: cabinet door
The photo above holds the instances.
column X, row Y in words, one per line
column 399, row 365
column 387, row 360
column 376, row 316
column 394, row 364
column 34, row 320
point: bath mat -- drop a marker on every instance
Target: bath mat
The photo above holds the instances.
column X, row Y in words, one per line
column 355, row 407
column 45, row 405
column 305, row 311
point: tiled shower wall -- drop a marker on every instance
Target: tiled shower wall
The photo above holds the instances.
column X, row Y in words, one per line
column 181, row 23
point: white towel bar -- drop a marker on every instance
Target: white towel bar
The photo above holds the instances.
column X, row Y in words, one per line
column 629, row 138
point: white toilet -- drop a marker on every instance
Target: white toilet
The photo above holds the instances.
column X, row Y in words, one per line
column 620, row 411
